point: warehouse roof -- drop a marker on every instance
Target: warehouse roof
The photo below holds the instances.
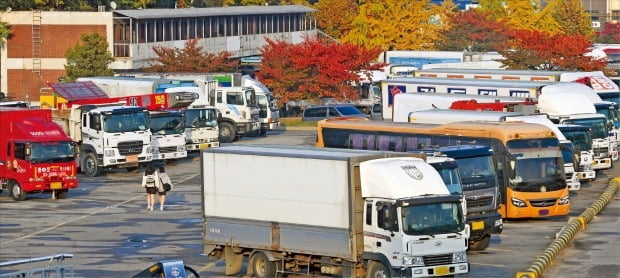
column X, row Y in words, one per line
column 216, row 11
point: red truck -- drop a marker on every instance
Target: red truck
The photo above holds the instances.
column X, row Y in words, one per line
column 36, row 156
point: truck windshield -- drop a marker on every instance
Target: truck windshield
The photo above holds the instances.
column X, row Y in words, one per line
column 477, row 172
column 567, row 152
column 262, row 105
column 125, row 122
column 580, row 138
column 272, row 102
column 610, row 113
column 430, row 219
column 250, row 96
column 597, row 125
column 197, row 118
column 166, row 125
column 51, row 152
column 450, row 176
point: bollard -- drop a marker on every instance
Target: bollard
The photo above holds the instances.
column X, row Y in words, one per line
column 567, row 233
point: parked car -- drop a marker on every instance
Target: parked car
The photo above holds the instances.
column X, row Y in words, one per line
column 317, row 113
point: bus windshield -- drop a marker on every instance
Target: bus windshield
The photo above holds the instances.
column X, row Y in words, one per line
column 597, row 125
column 51, row 152
column 430, row 219
column 166, row 125
column 536, row 165
column 125, row 122
column 197, row 118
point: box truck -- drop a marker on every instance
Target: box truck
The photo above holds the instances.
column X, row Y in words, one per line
column 330, row 212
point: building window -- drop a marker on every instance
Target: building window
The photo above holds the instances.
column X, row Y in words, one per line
column 615, row 15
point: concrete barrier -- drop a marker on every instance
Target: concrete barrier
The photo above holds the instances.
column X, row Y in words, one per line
column 567, row 233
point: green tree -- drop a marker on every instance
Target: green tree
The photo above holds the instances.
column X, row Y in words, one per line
column 334, row 17
column 494, row 8
column 89, row 57
column 572, row 19
column 397, row 25
column 5, row 32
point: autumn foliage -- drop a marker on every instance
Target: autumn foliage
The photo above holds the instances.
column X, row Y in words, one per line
column 473, row 30
column 314, row 69
column 536, row 50
column 191, row 58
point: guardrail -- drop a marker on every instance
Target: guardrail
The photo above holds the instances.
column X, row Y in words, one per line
column 59, row 270
column 567, row 233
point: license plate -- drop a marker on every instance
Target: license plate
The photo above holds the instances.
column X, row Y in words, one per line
column 203, row 146
column 132, row 158
column 477, row 225
column 543, row 212
column 442, row 270
column 56, row 185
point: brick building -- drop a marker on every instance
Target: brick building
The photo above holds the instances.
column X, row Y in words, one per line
column 34, row 53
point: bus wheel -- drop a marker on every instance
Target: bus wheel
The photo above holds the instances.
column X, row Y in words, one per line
column 481, row 244
column 16, row 191
column 262, row 267
column 90, row 166
column 227, row 132
column 377, row 270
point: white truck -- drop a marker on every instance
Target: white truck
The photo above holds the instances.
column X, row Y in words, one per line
column 269, row 114
column 109, row 136
column 201, row 128
column 331, row 212
column 168, row 135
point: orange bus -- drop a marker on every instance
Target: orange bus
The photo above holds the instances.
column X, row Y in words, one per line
column 527, row 157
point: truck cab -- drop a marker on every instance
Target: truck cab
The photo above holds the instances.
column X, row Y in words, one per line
column 167, row 135
column 37, row 156
column 481, row 190
column 109, row 136
column 581, row 139
column 269, row 114
column 201, row 128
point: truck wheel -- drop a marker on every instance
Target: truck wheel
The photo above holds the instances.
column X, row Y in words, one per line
column 227, row 132
column 377, row 270
column 132, row 169
column 263, row 131
column 62, row 194
column 16, row 191
column 90, row 166
column 262, row 267
column 481, row 244
column 253, row 133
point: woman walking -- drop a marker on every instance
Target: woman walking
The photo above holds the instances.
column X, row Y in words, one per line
column 151, row 182
column 165, row 186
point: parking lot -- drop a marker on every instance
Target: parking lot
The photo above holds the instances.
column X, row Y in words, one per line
column 105, row 225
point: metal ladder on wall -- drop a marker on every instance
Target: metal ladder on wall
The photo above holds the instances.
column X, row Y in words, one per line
column 36, row 42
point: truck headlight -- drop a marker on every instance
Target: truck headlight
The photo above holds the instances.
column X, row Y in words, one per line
column 180, row 148
column 459, row 257
column 109, row 153
column 564, row 200
column 587, row 167
column 413, row 261
column 518, row 203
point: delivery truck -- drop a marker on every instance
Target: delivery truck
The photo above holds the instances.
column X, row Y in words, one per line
column 347, row 213
column 37, row 155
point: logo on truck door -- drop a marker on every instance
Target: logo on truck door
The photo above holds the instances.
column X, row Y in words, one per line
column 413, row 172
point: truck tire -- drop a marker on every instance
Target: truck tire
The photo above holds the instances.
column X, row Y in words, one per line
column 377, row 270
column 61, row 194
column 227, row 132
column 481, row 244
column 263, row 131
column 132, row 169
column 89, row 165
column 262, row 267
column 254, row 133
column 16, row 191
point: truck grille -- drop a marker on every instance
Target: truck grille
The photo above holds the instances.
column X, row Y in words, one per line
column 601, row 152
column 542, row 202
column 168, row 149
column 569, row 176
column 438, row 259
column 130, row 147
column 480, row 202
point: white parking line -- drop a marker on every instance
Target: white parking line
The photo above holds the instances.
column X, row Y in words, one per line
column 209, row 265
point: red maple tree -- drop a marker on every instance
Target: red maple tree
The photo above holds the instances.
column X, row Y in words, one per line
column 531, row 49
column 191, row 58
column 473, row 30
column 315, row 69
